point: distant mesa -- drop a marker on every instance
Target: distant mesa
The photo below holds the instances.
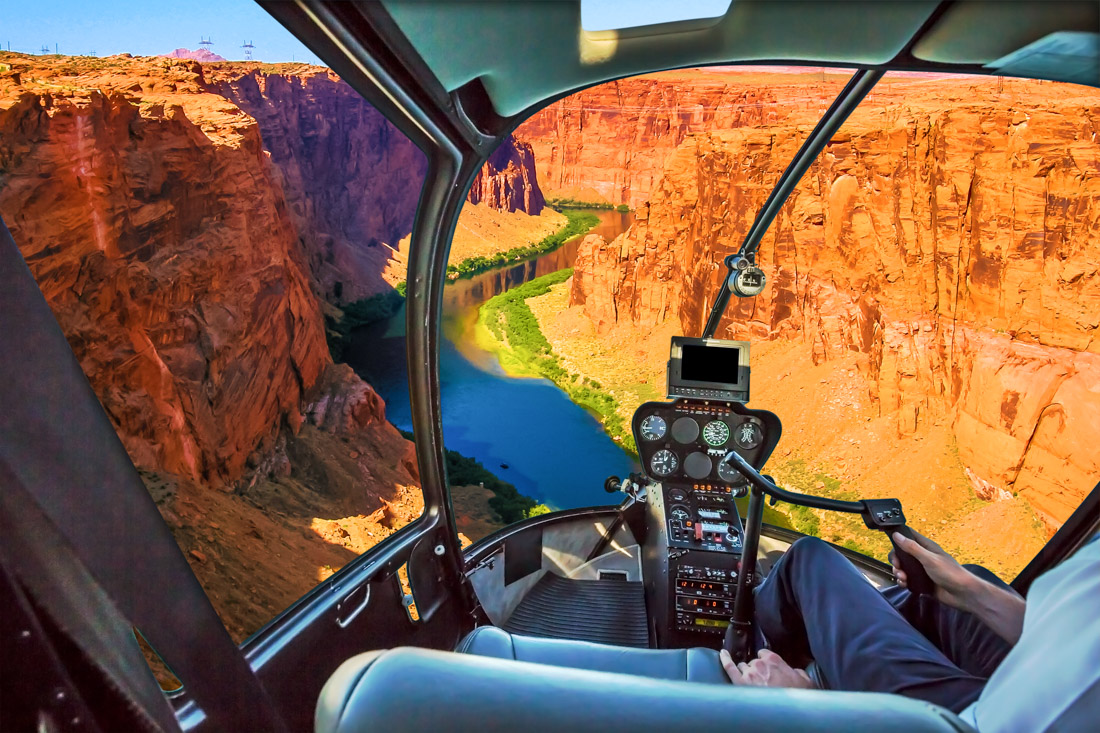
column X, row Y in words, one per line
column 200, row 54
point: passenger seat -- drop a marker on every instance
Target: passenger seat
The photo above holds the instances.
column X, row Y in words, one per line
column 687, row 665
column 410, row 689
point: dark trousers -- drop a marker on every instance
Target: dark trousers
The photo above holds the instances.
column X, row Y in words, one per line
column 815, row 605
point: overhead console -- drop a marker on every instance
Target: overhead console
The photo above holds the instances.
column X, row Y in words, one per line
column 694, row 526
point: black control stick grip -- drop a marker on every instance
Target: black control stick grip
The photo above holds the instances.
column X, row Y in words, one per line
column 916, row 577
column 885, row 515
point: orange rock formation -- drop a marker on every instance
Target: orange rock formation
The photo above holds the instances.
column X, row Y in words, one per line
column 948, row 235
column 173, row 235
column 157, row 230
column 612, row 139
column 507, row 180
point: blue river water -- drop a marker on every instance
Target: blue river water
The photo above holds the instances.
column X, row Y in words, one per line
column 526, row 431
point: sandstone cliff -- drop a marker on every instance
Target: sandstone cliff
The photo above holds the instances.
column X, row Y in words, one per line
column 157, row 231
column 948, row 235
column 612, row 139
column 507, row 181
column 168, row 235
column 351, row 179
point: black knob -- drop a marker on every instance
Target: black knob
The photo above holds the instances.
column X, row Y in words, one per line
column 612, row 484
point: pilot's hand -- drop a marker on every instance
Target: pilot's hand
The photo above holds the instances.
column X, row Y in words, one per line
column 953, row 581
column 767, row 670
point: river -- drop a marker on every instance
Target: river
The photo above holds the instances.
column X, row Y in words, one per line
column 527, row 431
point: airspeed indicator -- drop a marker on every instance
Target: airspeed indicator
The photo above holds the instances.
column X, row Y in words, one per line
column 653, row 428
column 716, row 433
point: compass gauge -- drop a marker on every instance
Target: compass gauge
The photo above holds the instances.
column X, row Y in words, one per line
column 663, row 463
column 653, row 428
column 716, row 433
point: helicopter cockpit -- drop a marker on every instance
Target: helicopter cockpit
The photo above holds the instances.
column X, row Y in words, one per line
column 179, row 428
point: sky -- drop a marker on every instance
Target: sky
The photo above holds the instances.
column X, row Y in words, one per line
column 600, row 15
column 153, row 27
column 146, row 28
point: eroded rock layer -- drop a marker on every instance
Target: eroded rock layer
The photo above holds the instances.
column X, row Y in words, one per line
column 156, row 229
column 351, row 179
column 507, row 181
column 609, row 142
column 949, row 235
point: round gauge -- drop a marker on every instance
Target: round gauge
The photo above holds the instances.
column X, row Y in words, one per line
column 697, row 465
column 729, row 474
column 748, row 435
column 664, row 463
column 679, row 512
column 677, row 495
column 653, row 428
column 685, row 430
column 716, row 433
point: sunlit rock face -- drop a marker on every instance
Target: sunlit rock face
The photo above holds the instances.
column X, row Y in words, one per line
column 159, row 232
column 507, row 181
column 610, row 141
column 950, row 234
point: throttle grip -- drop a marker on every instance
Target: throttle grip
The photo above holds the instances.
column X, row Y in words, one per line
column 916, row 577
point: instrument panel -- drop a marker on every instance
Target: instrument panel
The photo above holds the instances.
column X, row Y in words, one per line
column 684, row 441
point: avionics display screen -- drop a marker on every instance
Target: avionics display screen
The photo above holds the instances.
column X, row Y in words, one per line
column 711, row 622
column 709, row 364
column 705, row 368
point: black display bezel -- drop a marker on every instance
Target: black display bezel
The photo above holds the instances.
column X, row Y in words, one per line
column 678, row 386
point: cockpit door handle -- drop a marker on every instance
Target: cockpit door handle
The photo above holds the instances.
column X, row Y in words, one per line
column 352, row 605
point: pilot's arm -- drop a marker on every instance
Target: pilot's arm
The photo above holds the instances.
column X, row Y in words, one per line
column 1001, row 609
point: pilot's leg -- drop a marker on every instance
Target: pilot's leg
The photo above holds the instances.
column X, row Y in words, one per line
column 815, row 604
column 966, row 641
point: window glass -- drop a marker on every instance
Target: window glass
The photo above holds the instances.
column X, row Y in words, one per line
column 927, row 328
column 924, row 335
column 214, row 238
column 537, row 388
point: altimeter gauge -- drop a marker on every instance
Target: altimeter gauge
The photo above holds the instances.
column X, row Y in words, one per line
column 716, row 433
column 663, row 463
column 653, row 428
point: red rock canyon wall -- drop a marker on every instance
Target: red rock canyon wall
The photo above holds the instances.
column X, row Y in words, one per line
column 950, row 234
column 613, row 138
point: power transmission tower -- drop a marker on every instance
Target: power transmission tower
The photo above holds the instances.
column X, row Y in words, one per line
column 205, row 42
column 247, row 46
column 45, row 48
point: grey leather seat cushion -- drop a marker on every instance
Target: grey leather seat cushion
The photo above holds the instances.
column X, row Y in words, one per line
column 424, row 690
column 691, row 665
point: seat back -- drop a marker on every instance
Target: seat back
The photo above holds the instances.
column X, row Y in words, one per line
column 410, row 689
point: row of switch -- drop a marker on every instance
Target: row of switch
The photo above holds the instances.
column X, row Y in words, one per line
column 701, row 573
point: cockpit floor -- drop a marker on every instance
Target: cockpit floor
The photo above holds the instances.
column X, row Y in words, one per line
column 603, row 611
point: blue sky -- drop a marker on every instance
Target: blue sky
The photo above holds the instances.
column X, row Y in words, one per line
column 152, row 27
column 146, row 28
